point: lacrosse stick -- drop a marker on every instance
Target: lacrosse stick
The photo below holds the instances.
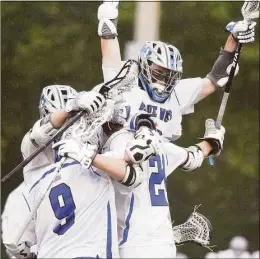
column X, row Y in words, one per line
column 84, row 129
column 123, row 82
column 196, row 229
column 249, row 10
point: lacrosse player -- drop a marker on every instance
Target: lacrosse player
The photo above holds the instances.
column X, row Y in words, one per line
column 57, row 104
column 52, row 105
column 159, row 89
column 144, row 221
column 140, row 206
column 78, row 217
column 11, row 221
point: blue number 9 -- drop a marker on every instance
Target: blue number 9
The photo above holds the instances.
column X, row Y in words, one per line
column 63, row 207
column 157, row 167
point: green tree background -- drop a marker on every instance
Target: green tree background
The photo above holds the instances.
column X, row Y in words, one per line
column 56, row 42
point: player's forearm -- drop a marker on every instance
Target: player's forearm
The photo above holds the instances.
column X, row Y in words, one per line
column 58, row 118
column 206, row 148
column 111, row 56
column 231, row 44
column 115, row 168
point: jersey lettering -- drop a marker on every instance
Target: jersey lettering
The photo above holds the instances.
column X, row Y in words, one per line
column 157, row 181
column 162, row 114
column 63, row 207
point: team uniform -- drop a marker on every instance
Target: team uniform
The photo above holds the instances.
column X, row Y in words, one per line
column 168, row 115
column 143, row 216
column 29, row 145
column 11, row 220
column 53, row 98
column 78, row 217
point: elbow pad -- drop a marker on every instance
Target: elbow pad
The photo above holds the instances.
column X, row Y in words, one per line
column 221, row 69
column 42, row 131
column 133, row 176
column 194, row 160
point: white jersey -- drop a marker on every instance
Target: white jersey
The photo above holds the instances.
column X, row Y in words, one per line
column 29, row 145
column 77, row 218
column 14, row 216
column 167, row 116
column 144, row 221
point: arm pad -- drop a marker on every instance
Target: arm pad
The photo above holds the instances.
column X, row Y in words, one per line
column 42, row 131
column 220, row 70
column 194, row 159
column 133, row 176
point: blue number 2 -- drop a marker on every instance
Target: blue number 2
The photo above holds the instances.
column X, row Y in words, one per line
column 63, row 207
column 157, row 167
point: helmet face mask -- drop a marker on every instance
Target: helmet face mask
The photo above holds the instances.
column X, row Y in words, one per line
column 160, row 69
column 54, row 97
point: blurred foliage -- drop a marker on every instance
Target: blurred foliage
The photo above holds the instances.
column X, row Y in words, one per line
column 56, row 42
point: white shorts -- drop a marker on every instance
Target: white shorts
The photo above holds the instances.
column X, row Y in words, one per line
column 152, row 251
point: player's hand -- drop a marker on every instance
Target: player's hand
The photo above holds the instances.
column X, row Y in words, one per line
column 22, row 250
column 90, row 101
column 214, row 136
column 108, row 17
column 242, row 31
column 143, row 146
column 84, row 153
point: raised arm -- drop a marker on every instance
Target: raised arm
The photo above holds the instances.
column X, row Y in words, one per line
column 107, row 30
column 241, row 32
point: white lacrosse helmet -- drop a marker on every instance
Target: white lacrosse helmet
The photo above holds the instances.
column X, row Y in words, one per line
column 55, row 97
column 121, row 111
column 238, row 243
column 160, row 69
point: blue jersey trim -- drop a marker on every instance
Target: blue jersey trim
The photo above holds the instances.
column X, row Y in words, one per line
column 109, row 232
column 51, row 171
column 127, row 221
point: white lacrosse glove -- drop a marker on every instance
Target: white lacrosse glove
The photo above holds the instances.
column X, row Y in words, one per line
column 145, row 145
column 84, row 153
column 20, row 251
column 214, row 136
column 242, row 31
column 108, row 17
column 90, row 101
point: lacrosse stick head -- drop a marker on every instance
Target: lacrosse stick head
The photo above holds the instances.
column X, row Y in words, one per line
column 250, row 10
column 89, row 127
column 123, row 82
column 196, row 229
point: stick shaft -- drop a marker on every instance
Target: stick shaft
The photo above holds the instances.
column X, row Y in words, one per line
column 225, row 97
column 42, row 147
column 39, row 201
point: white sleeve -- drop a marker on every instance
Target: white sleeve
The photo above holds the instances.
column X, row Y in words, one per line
column 15, row 214
column 110, row 72
column 188, row 93
column 42, row 159
column 175, row 156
